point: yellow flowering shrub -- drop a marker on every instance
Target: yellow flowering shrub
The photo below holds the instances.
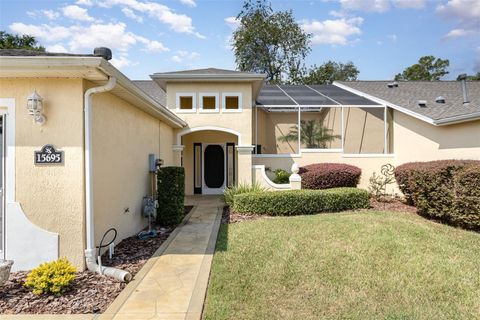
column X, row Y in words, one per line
column 51, row 277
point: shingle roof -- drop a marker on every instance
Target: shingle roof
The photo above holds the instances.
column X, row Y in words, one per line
column 153, row 90
column 408, row 93
column 33, row 53
column 207, row 71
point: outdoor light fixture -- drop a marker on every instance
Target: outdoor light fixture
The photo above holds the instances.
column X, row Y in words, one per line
column 35, row 107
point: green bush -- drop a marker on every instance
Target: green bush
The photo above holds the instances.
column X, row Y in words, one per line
column 241, row 188
column 296, row 202
column 171, row 195
column 281, row 176
column 446, row 190
column 51, row 277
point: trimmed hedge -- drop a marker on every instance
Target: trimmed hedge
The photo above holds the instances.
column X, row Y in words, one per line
column 446, row 190
column 171, row 195
column 329, row 175
column 297, row 202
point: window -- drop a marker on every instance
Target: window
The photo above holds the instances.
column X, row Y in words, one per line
column 186, row 102
column 232, row 102
column 209, row 102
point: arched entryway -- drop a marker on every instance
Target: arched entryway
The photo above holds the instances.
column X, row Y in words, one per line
column 210, row 159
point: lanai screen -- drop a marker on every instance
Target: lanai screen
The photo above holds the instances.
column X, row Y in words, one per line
column 289, row 119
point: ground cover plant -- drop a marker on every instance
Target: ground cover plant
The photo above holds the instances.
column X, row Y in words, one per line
column 296, row 202
column 350, row 265
column 446, row 190
column 329, row 175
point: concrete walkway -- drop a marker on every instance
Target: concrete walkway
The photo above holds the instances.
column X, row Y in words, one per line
column 173, row 283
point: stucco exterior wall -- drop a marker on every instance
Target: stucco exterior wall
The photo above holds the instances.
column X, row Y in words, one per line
column 238, row 121
column 416, row 140
column 51, row 196
column 202, row 137
column 123, row 137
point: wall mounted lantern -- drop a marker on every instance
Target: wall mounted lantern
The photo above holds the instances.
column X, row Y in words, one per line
column 35, row 107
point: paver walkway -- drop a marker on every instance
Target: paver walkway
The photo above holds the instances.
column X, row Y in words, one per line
column 173, row 283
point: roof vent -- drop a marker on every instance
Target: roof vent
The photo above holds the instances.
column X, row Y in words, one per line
column 422, row 103
column 392, row 84
column 463, row 79
column 440, row 99
column 103, row 52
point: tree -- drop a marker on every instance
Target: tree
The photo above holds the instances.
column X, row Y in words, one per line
column 313, row 134
column 331, row 71
column 475, row 77
column 428, row 68
column 10, row 41
column 269, row 42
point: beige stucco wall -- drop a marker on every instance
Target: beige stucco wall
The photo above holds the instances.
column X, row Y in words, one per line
column 203, row 137
column 51, row 196
column 416, row 140
column 123, row 137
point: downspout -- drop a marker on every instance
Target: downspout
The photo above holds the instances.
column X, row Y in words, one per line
column 90, row 257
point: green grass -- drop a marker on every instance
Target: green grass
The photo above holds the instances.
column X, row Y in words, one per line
column 352, row 265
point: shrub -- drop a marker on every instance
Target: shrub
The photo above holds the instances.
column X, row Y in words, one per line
column 171, row 195
column 281, row 176
column 329, row 175
column 51, row 277
column 295, row 202
column 241, row 188
column 446, row 190
column 378, row 183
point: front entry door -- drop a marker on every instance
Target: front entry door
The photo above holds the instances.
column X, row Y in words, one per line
column 213, row 169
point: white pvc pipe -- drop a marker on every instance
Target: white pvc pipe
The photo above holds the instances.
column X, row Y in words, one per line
column 90, row 256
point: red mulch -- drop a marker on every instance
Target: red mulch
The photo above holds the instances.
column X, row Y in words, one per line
column 89, row 292
column 391, row 204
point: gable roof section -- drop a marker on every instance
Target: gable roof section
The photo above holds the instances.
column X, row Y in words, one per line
column 153, row 90
column 208, row 72
column 405, row 97
column 314, row 95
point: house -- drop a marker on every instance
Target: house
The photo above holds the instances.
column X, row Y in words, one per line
column 224, row 127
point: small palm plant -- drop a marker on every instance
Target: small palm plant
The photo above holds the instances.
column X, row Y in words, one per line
column 313, row 134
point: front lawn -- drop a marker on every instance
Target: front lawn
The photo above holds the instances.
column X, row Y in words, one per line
column 352, row 265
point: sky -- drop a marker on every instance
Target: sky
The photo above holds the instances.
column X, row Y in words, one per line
column 381, row 37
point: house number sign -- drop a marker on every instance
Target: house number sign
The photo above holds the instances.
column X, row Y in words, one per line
column 48, row 155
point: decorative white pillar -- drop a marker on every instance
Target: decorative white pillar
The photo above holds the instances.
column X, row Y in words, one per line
column 295, row 178
column 177, row 154
column 244, row 166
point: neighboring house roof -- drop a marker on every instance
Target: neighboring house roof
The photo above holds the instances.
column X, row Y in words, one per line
column 406, row 96
column 314, row 95
column 153, row 90
column 18, row 64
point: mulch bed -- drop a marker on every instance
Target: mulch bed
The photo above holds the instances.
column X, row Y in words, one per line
column 89, row 292
column 229, row 216
column 391, row 204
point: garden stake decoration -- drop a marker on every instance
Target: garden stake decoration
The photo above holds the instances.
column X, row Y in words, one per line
column 378, row 183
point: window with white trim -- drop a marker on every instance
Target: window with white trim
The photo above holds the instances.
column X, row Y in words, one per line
column 208, row 101
column 232, row 101
column 186, row 102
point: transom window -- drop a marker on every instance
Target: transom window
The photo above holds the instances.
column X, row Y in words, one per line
column 232, row 102
column 208, row 101
column 186, row 102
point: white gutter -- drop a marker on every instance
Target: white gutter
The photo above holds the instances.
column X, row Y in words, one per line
column 90, row 241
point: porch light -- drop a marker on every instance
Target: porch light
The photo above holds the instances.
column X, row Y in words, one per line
column 35, row 107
